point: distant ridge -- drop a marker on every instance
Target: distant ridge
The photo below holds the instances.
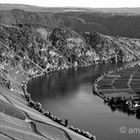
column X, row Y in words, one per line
column 25, row 7
column 108, row 21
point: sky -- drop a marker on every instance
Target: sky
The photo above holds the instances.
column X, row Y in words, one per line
column 77, row 3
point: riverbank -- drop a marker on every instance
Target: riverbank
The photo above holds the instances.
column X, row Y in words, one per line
column 28, row 49
column 38, row 107
column 31, row 113
column 21, row 118
column 49, row 114
column 120, row 86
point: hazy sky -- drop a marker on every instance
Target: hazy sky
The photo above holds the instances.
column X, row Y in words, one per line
column 78, row 3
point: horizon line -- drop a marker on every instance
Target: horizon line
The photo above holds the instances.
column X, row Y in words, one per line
column 39, row 6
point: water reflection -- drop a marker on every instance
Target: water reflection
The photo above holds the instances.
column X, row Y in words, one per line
column 65, row 82
column 124, row 110
column 68, row 95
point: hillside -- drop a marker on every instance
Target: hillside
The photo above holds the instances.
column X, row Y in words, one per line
column 29, row 50
column 36, row 49
column 35, row 43
column 80, row 20
column 53, row 48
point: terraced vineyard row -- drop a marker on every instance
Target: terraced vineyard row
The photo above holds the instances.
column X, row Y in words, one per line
column 125, row 82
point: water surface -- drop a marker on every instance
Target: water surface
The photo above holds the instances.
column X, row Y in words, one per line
column 68, row 94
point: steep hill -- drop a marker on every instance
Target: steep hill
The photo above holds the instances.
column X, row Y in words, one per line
column 55, row 48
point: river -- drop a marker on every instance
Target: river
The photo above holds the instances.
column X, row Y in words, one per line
column 68, row 95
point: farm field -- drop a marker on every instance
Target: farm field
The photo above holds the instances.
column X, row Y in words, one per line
column 122, row 83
